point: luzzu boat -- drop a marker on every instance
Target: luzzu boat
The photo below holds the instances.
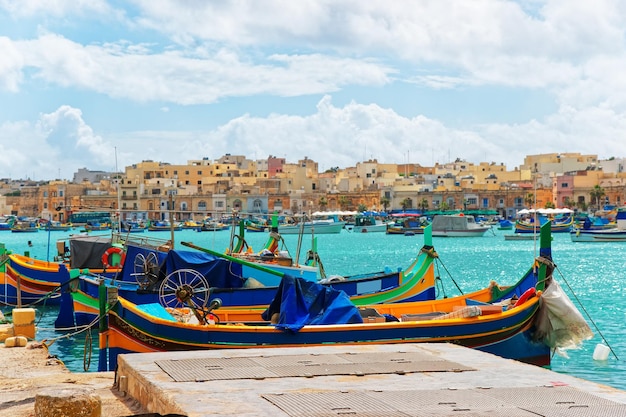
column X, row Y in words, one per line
column 30, row 281
column 304, row 313
column 25, row 281
column 559, row 224
column 155, row 276
column 615, row 234
column 274, row 255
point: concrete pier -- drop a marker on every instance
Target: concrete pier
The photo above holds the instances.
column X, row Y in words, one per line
column 390, row 380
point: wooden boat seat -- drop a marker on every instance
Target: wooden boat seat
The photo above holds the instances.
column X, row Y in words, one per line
column 369, row 312
column 371, row 315
column 422, row 316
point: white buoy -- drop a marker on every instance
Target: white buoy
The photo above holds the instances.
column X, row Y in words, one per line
column 601, row 352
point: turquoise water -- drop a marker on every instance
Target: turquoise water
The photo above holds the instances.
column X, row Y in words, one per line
column 594, row 271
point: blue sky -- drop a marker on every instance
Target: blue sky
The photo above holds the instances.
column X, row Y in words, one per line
column 98, row 84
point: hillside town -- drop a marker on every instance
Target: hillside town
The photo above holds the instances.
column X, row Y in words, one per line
column 151, row 190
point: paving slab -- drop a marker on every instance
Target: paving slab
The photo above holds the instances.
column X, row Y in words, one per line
column 391, row 380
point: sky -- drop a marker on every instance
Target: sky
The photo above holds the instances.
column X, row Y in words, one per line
column 103, row 84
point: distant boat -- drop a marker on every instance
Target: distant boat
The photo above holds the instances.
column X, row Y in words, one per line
column 163, row 226
column 616, row 234
column 560, row 219
column 6, row 222
column 457, row 225
column 25, row 227
column 95, row 226
column 57, row 226
column 505, row 225
column 212, row 226
column 407, row 224
column 520, row 236
column 191, row 224
column 133, row 227
column 316, row 226
column 365, row 224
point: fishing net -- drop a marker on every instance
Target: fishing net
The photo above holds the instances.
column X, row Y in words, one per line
column 559, row 324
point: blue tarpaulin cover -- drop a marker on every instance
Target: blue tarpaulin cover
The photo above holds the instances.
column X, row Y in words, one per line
column 300, row 302
column 219, row 273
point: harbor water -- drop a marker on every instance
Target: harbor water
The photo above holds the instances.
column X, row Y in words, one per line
column 592, row 275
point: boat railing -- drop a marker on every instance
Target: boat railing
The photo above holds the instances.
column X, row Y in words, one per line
column 140, row 241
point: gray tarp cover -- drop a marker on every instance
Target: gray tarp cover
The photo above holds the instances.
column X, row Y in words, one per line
column 87, row 251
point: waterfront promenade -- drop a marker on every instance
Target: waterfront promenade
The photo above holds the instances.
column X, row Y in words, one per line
column 390, row 380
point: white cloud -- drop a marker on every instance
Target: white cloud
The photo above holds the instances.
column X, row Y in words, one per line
column 173, row 77
column 54, row 8
column 10, row 66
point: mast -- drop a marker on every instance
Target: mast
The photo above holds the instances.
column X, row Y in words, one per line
column 119, row 197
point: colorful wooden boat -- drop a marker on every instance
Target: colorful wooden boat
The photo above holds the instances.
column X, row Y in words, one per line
column 559, row 225
column 212, row 275
column 614, row 234
column 25, row 227
column 29, row 281
column 95, row 227
column 324, row 316
column 274, row 255
column 55, row 226
column 406, row 224
column 163, row 226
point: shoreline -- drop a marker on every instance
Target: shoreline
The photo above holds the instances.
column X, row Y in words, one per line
column 26, row 371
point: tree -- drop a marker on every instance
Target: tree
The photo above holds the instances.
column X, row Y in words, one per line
column 343, row 202
column 596, row 194
column 361, row 208
column 549, row 204
column 405, row 204
column 322, row 203
column 424, row 204
column 529, row 200
column 567, row 202
column 385, row 202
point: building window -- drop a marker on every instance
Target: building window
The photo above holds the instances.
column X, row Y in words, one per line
column 564, row 185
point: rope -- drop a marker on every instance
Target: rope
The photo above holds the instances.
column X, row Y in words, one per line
column 587, row 313
column 450, row 275
column 50, row 342
column 430, row 251
column 440, row 287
